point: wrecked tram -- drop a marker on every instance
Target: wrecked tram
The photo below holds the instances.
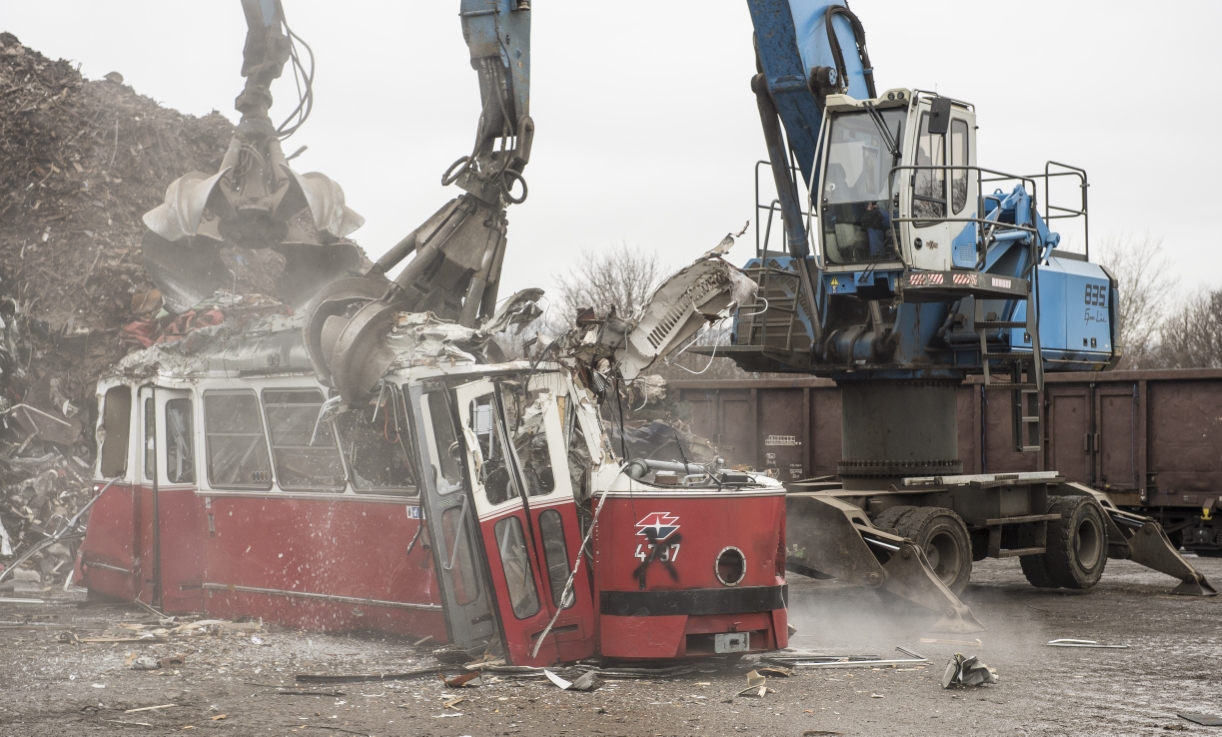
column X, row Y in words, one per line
column 471, row 502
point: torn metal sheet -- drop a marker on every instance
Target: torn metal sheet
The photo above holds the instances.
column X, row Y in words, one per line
column 817, row 660
column 1084, row 643
column 1205, row 720
column 587, row 681
column 756, row 685
column 967, row 671
column 707, row 291
column 969, row 643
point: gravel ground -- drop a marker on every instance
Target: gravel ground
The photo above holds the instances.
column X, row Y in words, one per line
column 227, row 684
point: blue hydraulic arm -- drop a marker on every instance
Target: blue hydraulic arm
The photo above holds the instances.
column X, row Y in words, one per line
column 800, row 52
column 802, row 61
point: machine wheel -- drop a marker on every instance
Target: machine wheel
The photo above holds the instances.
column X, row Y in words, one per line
column 890, row 517
column 1035, row 568
column 1077, row 543
column 943, row 536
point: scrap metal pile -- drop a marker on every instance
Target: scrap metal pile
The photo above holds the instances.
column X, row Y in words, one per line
column 80, row 161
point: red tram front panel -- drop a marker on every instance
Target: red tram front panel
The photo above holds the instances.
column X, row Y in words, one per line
column 677, row 573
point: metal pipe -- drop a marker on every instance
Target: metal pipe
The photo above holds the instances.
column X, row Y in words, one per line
column 156, row 507
column 791, row 213
column 639, row 467
column 397, row 253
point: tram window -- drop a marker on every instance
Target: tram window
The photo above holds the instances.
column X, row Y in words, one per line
column 303, row 448
column 449, row 451
column 515, row 561
column 150, row 444
column 233, row 435
column 495, row 474
column 556, row 554
column 525, row 410
column 179, row 442
column 578, row 455
column 373, row 441
column 116, row 423
column 958, row 157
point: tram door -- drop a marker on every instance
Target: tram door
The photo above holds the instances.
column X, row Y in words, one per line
column 523, row 496
column 466, row 596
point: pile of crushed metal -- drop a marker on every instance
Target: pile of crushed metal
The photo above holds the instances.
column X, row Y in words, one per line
column 80, row 162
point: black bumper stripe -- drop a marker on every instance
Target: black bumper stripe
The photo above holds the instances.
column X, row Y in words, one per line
column 693, row 601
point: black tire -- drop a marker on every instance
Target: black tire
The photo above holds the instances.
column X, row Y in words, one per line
column 890, row 517
column 1077, row 543
column 1035, row 568
column 943, row 536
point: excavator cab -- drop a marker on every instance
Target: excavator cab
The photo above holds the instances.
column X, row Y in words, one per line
column 897, row 184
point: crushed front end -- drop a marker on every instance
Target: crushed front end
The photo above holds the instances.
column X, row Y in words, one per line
column 690, row 562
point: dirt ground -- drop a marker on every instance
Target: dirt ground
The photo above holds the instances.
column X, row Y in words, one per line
column 227, row 684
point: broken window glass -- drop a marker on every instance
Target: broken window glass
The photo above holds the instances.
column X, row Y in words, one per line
column 179, row 442
column 303, row 448
column 236, row 446
column 515, row 561
column 495, row 473
column 578, row 454
column 449, row 450
column 116, row 421
column 556, row 554
column 374, row 441
column 525, row 411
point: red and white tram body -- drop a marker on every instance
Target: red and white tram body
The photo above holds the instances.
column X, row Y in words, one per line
column 453, row 504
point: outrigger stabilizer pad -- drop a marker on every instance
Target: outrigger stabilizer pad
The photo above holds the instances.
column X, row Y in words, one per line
column 1142, row 540
column 831, row 538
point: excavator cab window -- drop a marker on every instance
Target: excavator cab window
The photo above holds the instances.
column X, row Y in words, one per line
column 929, row 182
column 958, row 157
column 856, row 201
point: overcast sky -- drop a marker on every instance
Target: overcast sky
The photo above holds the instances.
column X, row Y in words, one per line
column 647, row 132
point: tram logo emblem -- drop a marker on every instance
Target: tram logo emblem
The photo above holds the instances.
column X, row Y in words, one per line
column 663, row 525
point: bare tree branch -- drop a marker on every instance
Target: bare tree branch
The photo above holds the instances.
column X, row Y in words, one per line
column 1192, row 336
column 622, row 278
column 1140, row 267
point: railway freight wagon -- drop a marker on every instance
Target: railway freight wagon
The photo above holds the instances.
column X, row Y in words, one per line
column 1151, row 439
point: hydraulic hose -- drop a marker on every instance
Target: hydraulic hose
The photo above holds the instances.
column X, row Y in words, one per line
column 859, row 33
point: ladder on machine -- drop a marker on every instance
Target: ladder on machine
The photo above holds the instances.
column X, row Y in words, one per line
column 778, row 328
column 1026, row 372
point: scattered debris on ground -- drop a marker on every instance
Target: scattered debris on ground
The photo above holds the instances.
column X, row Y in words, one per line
column 794, row 659
column 1205, row 720
column 965, row 643
column 587, row 681
column 1066, row 642
column 757, row 685
column 967, row 671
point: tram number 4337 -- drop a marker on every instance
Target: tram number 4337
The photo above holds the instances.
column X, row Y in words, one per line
column 669, row 554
